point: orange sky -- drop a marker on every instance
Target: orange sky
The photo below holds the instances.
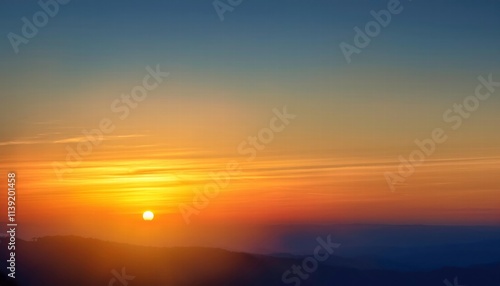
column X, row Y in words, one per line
column 108, row 192
column 327, row 164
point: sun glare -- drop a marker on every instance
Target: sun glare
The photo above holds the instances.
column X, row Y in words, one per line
column 148, row 215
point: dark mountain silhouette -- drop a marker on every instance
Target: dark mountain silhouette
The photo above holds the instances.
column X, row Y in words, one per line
column 75, row 261
column 397, row 247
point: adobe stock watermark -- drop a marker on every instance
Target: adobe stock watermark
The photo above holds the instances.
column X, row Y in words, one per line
column 122, row 277
column 250, row 147
column 297, row 273
column 121, row 107
column 372, row 29
column 40, row 19
column 223, row 6
column 454, row 116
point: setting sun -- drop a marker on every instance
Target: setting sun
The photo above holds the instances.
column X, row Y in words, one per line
column 148, row 215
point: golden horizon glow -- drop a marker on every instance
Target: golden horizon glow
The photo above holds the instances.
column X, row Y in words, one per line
column 314, row 172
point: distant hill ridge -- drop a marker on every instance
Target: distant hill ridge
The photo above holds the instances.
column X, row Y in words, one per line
column 76, row 261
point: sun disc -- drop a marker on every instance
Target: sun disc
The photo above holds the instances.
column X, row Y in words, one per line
column 148, row 215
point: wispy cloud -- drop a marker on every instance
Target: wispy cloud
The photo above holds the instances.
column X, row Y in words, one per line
column 75, row 139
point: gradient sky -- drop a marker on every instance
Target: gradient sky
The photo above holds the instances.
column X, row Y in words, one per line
column 226, row 77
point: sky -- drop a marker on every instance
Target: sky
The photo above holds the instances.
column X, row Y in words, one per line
column 227, row 80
